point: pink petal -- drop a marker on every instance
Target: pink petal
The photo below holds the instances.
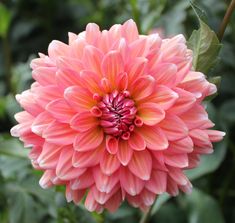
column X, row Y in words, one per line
column 112, row 65
column 130, row 31
column 88, row 158
column 64, row 168
column 109, row 163
column 69, row 65
column 185, row 101
column 115, row 31
column 75, row 195
column 91, row 204
column 35, row 152
column 67, row 78
column 173, row 127
column 136, row 68
column 140, row 47
column 135, row 200
column 200, row 138
column 83, row 181
column 59, row 133
column 163, row 96
column 194, row 160
column 45, row 181
column 141, row 164
column 133, row 185
column 92, row 33
column 172, row 187
column 42, row 61
column 111, row 144
column 122, row 46
column 150, row 113
column 23, row 116
column 83, row 121
column 122, row 81
column 142, row 87
column 165, row 74
column 92, row 58
column 195, row 117
column 44, row 75
column 102, row 197
column 89, row 140
column 184, row 67
column 195, row 82
column 157, row 183
column 57, row 49
column 178, row 176
column 45, row 95
column 31, row 139
column 60, row 110
column 179, row 160
column 21, row 129
column 49, row 156
column 114, row 202
column 184, row 145
column 79, row 98
column 103, row 182
column 27, row 100
column 77, row 47
column 136, row 141
column 214, row 135
column 154, row 137
column 106, row 42
column 124, row 152
column 72, row 37
column 148, row 197
column 41, row 122
column 91, row 81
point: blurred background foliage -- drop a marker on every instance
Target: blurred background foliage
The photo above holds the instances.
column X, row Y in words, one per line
column 27, row 27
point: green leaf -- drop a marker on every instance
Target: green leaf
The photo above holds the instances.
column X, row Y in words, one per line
column 12, row 147
column 209, row 163
column 5, row 19
column 199, row 11
column 201, row 208
column 205, row 46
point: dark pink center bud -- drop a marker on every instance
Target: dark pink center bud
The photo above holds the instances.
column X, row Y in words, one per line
column 118, row 114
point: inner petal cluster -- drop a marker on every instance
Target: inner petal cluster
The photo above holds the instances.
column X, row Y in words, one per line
column 118, row 114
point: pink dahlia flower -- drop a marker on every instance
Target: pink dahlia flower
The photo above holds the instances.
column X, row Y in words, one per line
column 115, row 115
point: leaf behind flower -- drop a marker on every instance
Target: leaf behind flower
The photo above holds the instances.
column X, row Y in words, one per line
column 205, row 46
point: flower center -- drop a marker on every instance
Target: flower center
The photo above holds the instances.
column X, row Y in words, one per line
column 118, row 114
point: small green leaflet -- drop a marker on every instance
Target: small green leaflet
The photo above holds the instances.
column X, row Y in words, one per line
column 205, row 46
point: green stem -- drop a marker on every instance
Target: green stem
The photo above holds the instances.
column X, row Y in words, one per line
column 226, row 19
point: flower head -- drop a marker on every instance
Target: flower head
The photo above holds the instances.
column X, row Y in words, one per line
column 115, row 115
